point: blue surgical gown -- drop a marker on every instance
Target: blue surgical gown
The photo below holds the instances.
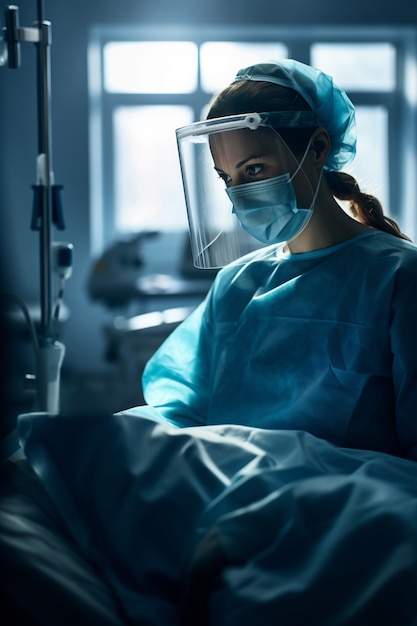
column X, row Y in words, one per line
column 323, row 341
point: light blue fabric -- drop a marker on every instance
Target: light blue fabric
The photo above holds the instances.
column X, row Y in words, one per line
column 323, row 342
column 331, row 105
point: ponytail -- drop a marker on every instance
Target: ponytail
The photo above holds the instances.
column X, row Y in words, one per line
column 364, row 207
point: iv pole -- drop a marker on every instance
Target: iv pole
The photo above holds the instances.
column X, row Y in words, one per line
column 46, row 202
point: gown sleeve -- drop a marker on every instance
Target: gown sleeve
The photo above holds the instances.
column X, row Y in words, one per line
column 403, row 332
column 175, row 379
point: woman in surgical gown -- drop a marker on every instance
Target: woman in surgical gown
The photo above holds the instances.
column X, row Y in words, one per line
column 316, row 331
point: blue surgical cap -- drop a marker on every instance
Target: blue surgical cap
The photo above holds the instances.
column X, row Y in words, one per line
column 331, row 106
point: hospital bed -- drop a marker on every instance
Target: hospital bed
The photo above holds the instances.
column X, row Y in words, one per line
column 123, row 519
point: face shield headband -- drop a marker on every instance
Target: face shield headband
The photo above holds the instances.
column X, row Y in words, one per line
column 252, row 121
column 216, row 234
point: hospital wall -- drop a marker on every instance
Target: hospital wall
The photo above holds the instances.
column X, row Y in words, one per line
column 71, row 22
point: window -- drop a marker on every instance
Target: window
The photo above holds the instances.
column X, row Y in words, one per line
column 221, row 59
column 147, row 182
column 358, row 67
column 144, row 85
column 365, row 68
column 150, row 67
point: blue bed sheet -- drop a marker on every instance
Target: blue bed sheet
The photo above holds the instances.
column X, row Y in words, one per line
column 231, row 525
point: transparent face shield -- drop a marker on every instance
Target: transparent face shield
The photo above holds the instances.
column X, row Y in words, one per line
column 224, row 152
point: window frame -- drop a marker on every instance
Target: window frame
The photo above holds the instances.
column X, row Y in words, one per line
column 401, row 104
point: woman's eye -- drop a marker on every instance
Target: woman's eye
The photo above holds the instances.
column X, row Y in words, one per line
column 225, row 177
column 254, row 170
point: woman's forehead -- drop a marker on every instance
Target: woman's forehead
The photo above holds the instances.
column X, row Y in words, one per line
column 230, row 147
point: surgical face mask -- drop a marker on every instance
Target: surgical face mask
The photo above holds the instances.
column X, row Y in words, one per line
column 267, row 209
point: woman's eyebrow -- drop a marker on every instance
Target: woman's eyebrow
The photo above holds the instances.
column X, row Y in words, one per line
column 219, row 171
column 253, row 156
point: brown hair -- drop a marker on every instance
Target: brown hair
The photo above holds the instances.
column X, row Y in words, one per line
column 262, row 96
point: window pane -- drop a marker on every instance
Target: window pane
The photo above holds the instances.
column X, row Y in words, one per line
column 357, row 67
column 150, row 67
column 370, row 166
column 148, row 188
column 221, row 60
